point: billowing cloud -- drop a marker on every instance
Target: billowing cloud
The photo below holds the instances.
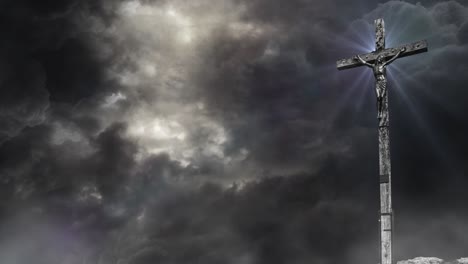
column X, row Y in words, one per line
column 220, row 131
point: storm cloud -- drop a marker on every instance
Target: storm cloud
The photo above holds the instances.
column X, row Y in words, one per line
column 221, row 131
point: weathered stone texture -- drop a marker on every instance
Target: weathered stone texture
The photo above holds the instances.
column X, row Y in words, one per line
column 432, row 260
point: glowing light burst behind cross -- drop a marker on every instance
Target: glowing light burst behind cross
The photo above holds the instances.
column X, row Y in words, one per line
column 378, row 60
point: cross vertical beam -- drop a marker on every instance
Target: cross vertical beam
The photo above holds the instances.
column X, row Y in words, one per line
column 378, row 60
column 379, row 34
column 386, row 212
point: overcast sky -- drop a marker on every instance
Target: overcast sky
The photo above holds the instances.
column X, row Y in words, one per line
column 220, row 131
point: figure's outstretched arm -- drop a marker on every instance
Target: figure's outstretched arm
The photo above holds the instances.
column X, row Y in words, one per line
column 395, row 57
column 363, row 61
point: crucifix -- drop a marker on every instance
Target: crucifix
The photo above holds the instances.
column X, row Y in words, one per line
column 378, row 60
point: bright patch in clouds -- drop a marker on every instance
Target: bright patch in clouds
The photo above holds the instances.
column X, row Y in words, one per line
column 160, row 135
column 112, row 99
column 158, row 129
column 174, row 22
column 163, row 46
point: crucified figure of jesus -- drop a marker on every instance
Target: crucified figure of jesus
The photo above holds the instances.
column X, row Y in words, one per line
column 379, row 68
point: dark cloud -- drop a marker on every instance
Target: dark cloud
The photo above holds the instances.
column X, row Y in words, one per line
column 25, row 100
column 113, row 157
column 276, row 220
column 47, row 58
column 65, row 82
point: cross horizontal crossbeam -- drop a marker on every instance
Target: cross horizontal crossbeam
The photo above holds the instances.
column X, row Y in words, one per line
column 410, row 49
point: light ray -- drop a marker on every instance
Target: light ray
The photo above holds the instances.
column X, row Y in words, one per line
column 416, row 115
column 369, row 82
column 347, row 95
column 366, row 40
column 416, row 84
column 360, row 45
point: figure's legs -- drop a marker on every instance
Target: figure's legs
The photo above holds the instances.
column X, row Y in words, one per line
column 377, row 94
column 379, row 107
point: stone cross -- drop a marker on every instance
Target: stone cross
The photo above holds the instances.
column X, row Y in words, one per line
column 378, row 60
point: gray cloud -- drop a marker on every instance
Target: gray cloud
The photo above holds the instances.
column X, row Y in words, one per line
column 220, row 131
